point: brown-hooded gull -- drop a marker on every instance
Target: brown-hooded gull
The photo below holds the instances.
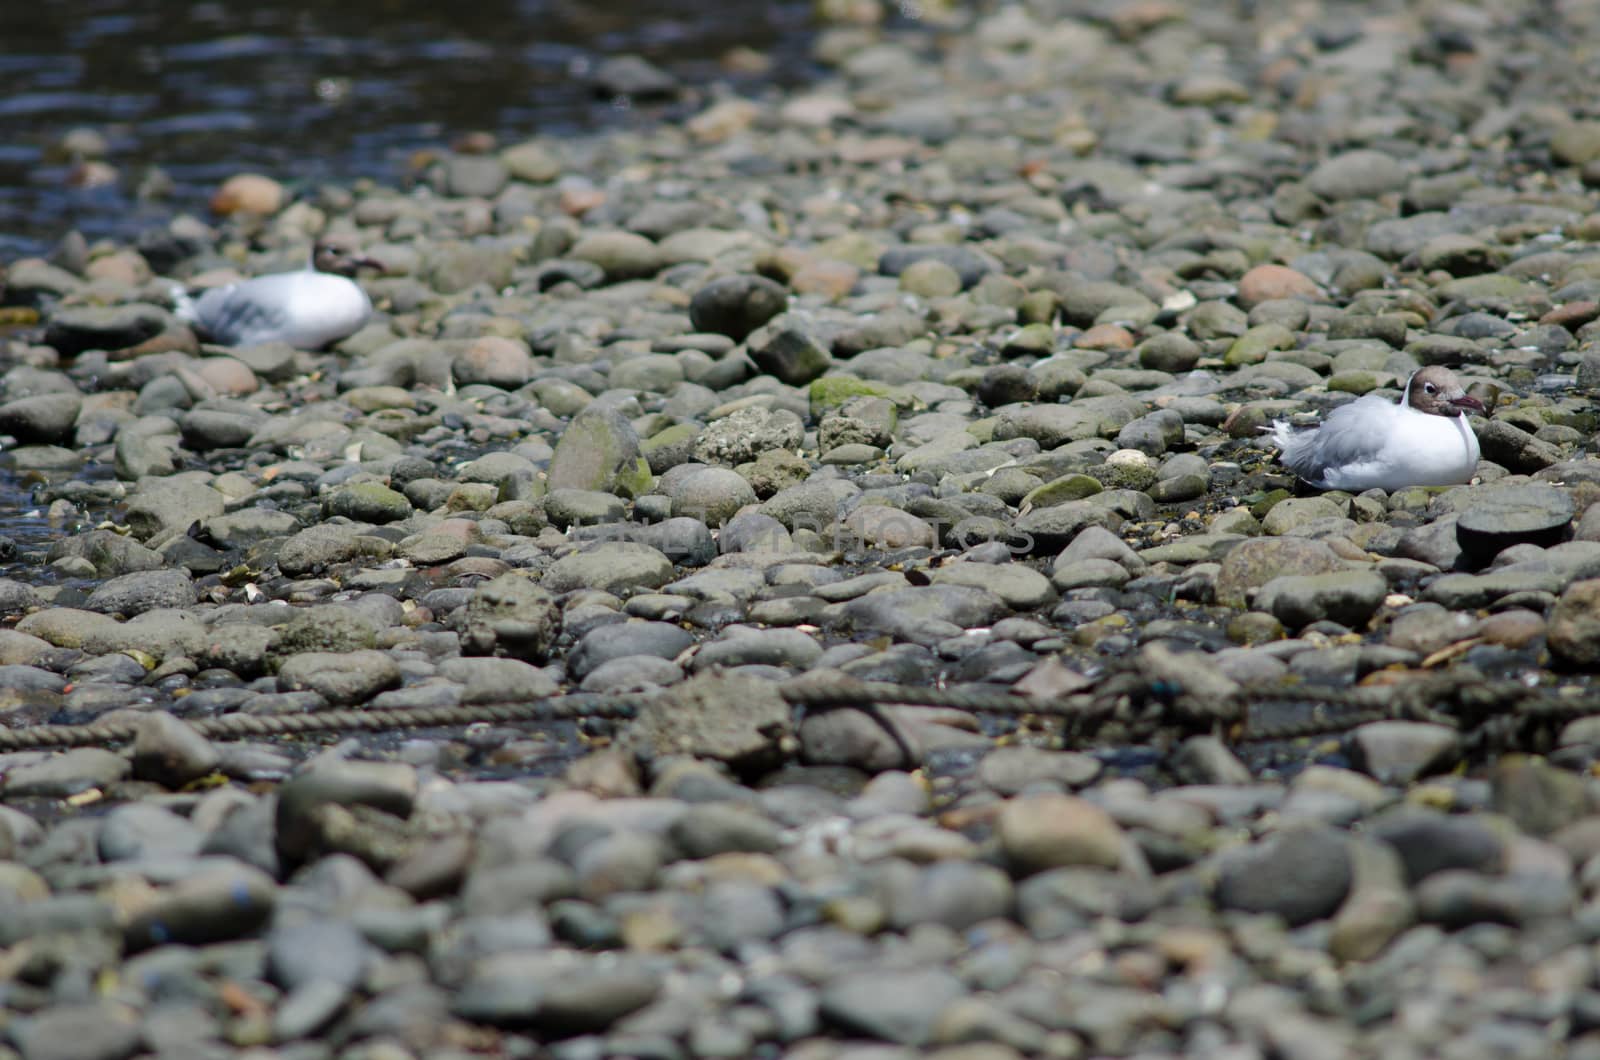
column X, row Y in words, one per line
column 1373, row 443
column 307, row 308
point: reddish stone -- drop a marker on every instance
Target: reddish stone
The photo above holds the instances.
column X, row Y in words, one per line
column 1267, row 282
column 1572, row 315
column 249, row 193
column 1105, row 337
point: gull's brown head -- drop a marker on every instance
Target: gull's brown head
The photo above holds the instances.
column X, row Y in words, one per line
column 336, row 256
column 1436, row 390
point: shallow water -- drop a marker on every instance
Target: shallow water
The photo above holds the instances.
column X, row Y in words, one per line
column 309, row 92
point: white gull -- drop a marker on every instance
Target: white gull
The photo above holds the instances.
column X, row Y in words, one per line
column 1373, row 443
column 307, row 308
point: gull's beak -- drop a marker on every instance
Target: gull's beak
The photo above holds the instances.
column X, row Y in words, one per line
column 377, row 266
column 1465, row 402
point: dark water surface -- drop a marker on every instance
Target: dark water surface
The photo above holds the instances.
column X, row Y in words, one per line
column 308, row 91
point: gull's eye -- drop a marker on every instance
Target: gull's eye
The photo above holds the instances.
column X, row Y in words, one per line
column 1430, row 388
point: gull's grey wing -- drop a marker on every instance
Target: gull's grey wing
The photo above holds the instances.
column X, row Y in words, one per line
column 231, row 315
column 1349, row 435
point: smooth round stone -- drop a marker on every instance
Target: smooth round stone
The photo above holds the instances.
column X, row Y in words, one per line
column 1346, row 597
column 574, row 507
column 711, row 495
column 1359, row 174
column 610, row 566
column 741, row 646
column 632, row 673
column 367, row 502
column 47, row 418
column 1301, row 874
column 623, row 255
column 213, row 905
column 652, row 373
column 930, row 279
column 633, row 638
column 852, row 454
column 1039, row 832
column 1009, row 770
column 341, row 678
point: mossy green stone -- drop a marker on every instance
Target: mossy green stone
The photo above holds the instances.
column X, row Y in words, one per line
column 1058, row 379
column 834, row 390
column 1260, row 508
column 1038, row 307
column 1253, row 346
column 1582, row 418
column 930, row 279
column 325, row 628
column 1411, row 499
column 861, row 251
column 523, row 516
column 599, row 450
column 472, row 497
column 670, row 447
column 1353, row 382
column 1490, row 290
column 1370, row 357
column 1254, row 627
column 523, row 488
column 1061, row 490
column 1124, row 477
column 368, row 502
column 635, row 480
column 1235, row 521
column 1031, row 338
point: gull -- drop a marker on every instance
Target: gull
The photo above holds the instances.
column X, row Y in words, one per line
column 307, row 308
column 1373, row 443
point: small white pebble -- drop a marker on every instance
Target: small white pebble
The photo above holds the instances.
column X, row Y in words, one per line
column 1129, row 458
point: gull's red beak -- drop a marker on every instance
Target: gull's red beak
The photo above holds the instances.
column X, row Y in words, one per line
column 1467, row 401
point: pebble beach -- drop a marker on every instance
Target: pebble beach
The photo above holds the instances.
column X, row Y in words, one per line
column 945, row 371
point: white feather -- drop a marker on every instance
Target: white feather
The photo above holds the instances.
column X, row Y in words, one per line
column 1373, row 443
column 306, row 309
